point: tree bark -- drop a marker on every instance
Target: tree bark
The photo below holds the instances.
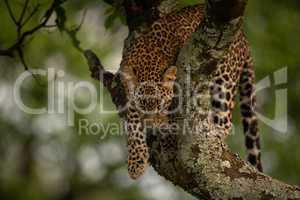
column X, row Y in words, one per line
column 198, row 159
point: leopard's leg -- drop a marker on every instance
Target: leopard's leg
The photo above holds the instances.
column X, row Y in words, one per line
column 138, row 154
column 248, row 106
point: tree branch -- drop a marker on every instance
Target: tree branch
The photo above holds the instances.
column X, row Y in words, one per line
column 208, row 169
column 27, row 33
column 97, row 70
column 20, row 23
column 5, row 52
column 197, row 158
column 110, row 81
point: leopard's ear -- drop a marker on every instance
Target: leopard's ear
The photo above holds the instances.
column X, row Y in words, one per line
column 129, row 79
column 169, row 77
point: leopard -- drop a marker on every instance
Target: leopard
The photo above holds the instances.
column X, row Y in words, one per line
column 148, row 73
column 235, row 73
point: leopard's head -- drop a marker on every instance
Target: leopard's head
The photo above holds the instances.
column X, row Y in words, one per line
column 153, row 99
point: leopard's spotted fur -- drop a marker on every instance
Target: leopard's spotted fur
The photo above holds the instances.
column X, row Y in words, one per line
column 236, row 72
column 148, row 75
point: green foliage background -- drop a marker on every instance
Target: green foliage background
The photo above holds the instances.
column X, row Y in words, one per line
column 43, row 158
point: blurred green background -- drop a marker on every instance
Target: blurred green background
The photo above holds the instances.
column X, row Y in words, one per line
column 43, row 157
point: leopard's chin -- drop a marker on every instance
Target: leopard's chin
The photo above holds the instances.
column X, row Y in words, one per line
column 155, row 121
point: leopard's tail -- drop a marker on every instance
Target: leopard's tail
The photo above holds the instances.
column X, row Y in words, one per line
column 247, row 107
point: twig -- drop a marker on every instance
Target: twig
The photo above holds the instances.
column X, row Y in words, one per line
column 73, row 31
column 82, row 20
column 47, row 16
column 11, row 14
column 20, row 23
column 35, row 9
column 23, row 12
column 24, row 35
column 21, row 56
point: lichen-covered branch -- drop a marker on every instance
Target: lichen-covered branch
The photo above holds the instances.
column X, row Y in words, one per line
column 198, row 160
